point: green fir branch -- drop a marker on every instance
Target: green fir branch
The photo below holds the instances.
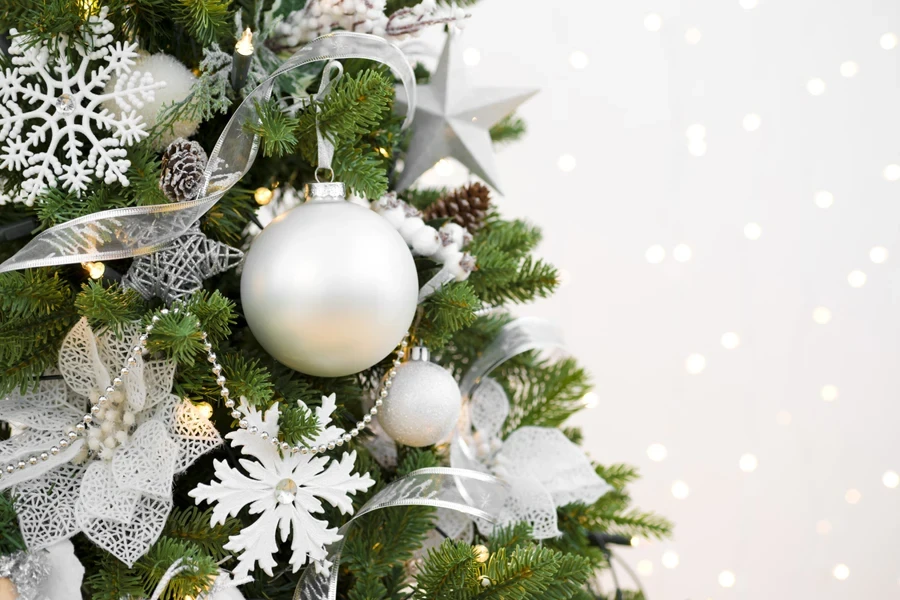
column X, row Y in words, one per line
column 111, row 307
column 192, row 525
column 546, row 394
column 448, row 572
column 275, row 128
column 113, row 580
column 192, row 581
column 10, row 536
column 207, row 21
column 524, row 573
column 298, row 424
column 445, row 312
column 509, row 129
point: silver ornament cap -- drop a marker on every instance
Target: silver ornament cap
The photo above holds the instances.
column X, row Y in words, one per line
column 329, row 288
column 424, row 402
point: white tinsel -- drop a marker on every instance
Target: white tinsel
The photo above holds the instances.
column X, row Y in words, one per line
column 283, row 492
column 50, row 106
column 115, row 485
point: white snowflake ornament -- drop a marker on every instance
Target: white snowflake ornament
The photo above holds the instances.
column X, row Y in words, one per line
column 52, row 107
column 285, row 491
column 115, row 483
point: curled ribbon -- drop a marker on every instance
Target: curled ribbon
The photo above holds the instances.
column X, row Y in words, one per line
column 435, row 487
column 127, row 232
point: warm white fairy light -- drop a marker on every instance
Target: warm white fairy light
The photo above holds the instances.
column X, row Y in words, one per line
column 670, row 559
column 748, row 463
column 695, row 364
column 841, row 572
column 749, row 4
column 783, row 418
column 890, row 479
column 878, row 254
column 856, row 279
column 566, row 163
column 443, row 168
column 655, row 254
column 680, row 490
column 815, row 86
column 891, row 172
column 853, row 496
column 821, row 315
column 695, row 131
column 823, row 199
column 657, row 452
column 849, row 68
column 682, row 253
column 653, row 22
column 752, row 122
column 730, row 340
column 590, row 400
column 823, row 527
column 829, row 393
column 752, row 231
column 471, row 56
column 727, row 579
column 645, row 568
column 95, row 269
column 888, row 41
column 693, row 36
column 697, row 147
column 204, row 409
column 578, row 60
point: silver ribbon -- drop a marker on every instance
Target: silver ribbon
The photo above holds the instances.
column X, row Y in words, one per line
column 127, row 232
column 222, row 582
column 516, row 337
column 436, row 487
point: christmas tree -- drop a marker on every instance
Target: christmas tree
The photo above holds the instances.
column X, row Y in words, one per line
column 214, row 390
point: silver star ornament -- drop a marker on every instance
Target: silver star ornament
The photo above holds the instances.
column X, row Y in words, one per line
column 179, row 269
column 454, row 120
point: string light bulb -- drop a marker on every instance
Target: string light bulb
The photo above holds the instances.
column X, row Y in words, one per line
column 481, row 553
column 95, row 269
column 204, row 409
column 263, row 195
column 241, row 59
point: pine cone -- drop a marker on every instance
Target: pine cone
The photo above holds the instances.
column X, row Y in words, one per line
column 183, row 164
column 468, row 206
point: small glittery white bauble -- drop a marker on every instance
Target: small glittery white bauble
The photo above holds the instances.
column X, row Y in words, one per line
column 179, row 81
column 329, row 288
column 423, row 405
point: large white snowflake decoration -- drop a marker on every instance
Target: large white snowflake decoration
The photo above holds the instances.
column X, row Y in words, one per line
column 284, row 490
column 114, row 484
column 61, row 105
column 543, row 469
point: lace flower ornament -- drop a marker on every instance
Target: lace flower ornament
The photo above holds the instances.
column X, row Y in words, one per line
column 543, row 469
column 284, row 491
column 115, row 483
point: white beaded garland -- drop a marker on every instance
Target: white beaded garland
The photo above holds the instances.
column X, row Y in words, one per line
column 89, row 426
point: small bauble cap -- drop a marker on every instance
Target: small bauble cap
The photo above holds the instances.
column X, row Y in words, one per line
column 420, row 353
column 327, row 191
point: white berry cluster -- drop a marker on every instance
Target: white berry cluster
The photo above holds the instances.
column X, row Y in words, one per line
column 115, row 422
column 444, row 245
column 320, row 17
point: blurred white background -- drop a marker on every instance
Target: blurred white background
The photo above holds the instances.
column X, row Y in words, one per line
column 719, row 181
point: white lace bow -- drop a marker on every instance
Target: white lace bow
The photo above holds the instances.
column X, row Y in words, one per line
column 114, row 484
column 543, row 469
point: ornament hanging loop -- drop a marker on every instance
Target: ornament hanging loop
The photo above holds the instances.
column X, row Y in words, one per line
column 331, row 74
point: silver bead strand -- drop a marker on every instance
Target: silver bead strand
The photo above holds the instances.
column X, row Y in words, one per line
column 87, row 419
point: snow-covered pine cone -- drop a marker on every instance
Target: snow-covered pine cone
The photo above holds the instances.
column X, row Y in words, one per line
column 183, row 164
column 468, row 206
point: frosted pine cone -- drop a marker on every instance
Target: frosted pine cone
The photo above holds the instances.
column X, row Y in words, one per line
column 468, row 206
column 183, row 164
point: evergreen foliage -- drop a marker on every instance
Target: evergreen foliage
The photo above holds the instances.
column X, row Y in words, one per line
column 39, row 306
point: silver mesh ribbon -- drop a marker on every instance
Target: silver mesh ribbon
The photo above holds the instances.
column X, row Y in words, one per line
column 476, row 494
column 135, row 231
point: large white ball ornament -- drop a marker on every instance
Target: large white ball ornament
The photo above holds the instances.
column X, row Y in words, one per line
column 329, row 288
column 423, row 405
